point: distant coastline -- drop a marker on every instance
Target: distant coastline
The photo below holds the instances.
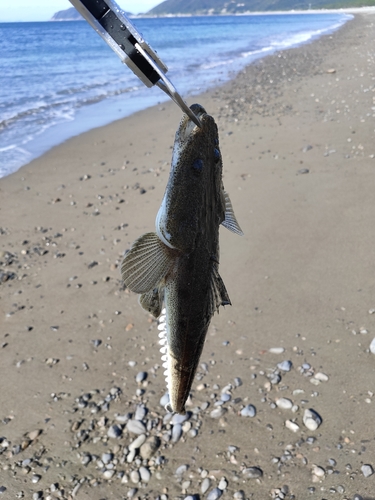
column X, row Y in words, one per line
column 72, row 14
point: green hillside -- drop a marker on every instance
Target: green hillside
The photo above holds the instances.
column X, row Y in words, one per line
column 240, row 6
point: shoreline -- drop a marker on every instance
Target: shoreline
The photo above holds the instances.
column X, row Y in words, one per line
column 112, row 109
column 296, row 136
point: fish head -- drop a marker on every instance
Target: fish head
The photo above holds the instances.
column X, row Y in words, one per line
column 193, row 201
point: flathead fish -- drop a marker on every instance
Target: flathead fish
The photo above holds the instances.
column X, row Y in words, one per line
column 178, row 264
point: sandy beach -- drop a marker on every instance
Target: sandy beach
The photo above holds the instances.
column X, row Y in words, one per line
column 79, row 358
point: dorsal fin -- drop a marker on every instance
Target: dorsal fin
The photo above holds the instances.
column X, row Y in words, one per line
column 230, row 221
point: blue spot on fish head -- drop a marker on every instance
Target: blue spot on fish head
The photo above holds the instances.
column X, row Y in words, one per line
column 197, row 166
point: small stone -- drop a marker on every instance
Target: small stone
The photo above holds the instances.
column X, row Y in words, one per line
column 180, row 419
column 292, row 426
column 36, row 478
column 223, row 484
column 237, row 382
column 108, row 474
column 107, row 457
column 331, row 71
column 164, row 400
column 206, row 483
column 37, row 495
column 218, row 412
column 136, row 427
column 285, row 366
column 137, row 443
column 214, row 494
column 114, row 431
column 135, row 477
column 311, row 419
column 141, row 377
column 367, row 470
column 140, row 412
column 322, row 377
column 145, row 474
column 2, row 489
column 239, row 495
column 318, row 471
column 284, row 403
column 181, row 469
column 176, row 433
column 252, row 472
column 132, row 492
column 276, row 350
column 34, row 434
column 150, row 447
column 248, row 411
column 372, row 346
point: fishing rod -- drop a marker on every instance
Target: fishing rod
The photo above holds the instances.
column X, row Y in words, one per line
column 116, row 29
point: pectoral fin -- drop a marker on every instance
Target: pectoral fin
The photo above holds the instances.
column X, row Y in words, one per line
column 152, row 301
column 230, row 221
column 218, row 293
column 146, row 264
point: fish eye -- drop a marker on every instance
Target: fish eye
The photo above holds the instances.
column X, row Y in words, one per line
column 217, row 154
column 197, row 165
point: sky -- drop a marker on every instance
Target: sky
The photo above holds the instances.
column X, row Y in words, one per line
column 43, row 10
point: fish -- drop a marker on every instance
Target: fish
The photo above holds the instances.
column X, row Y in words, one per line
column 178, row 264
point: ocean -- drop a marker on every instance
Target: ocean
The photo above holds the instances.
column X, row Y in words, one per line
column 59, row 79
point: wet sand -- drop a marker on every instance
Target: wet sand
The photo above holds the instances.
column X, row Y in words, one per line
column 297, row 139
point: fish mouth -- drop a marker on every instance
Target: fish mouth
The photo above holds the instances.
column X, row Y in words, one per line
column 187, row 126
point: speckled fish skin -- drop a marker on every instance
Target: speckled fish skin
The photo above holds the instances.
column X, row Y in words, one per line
column 183, row 255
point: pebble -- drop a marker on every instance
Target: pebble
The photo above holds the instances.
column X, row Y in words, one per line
column 214, row 494
column 223, row 484
column 137, row 443
column 318, row 471
column 322, row 377
column 292, row 426
column 276, row 350
column 135, row 477
column 181, row 469
column 2, row 489
column 284, row 403
column 252, row 472
column 180, row 419
column 140, row 377
column 34, row 434
column 239, row 495
column 311, row 419
column 285, row 366
column 372, row 346
column 107, row 457
column 140, row 412
column 248, row 411
column 108, row 474
column 176, row 433
column 145, row 474
column 114, row 431
column 367, row 470
column 132, row 492
column 136, row 427
column 218, row 412
column 164, row 400
column 206, row 483
column 149, row 447
column 238, row 382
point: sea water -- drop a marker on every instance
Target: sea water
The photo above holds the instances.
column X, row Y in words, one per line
column 58, row 79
